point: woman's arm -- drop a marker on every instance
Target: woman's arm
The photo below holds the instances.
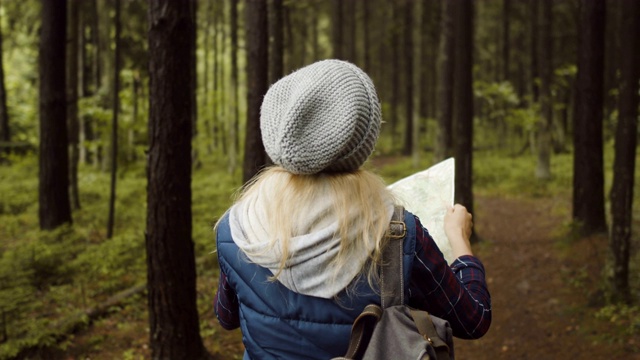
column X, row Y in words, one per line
column 457, row 293
column 226, row 304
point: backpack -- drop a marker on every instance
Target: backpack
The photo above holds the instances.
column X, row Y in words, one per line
column 394, row 330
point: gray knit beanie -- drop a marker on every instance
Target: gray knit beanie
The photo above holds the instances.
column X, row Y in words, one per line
column 323, row 117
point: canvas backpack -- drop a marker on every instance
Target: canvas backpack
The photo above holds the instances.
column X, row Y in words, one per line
column 395, row 330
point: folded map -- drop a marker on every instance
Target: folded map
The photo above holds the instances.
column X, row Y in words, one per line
column 428, row 194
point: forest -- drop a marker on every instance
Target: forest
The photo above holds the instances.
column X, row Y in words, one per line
column 128, row 126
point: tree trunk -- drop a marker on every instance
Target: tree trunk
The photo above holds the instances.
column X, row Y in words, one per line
column 215, row 127
column 257, row 71
column 290, row 45
column 444, row 142
column 207, row 105
column 506, row 43
column 135, row 93
column 433, row 51
column 425, row 59
column 366, row 47
column 223, row 107
column 315, row 32
column 90, row 61
column 408, row 68
column 611, row 55
column 543, row 136
column 54, row 208
column 171, row 272
column 521, row 53
column 534, row 31
column 396, row 21
column 103, row 157
column 588, row 174
column 302, row 38
column 5, row 134
column 463, row 103
column 194, row 73
column 97, row 45
column 114, row 124
column 336, row 29
column 349, row 31
column 625, row 149
column 276, row 41
column 72, row 101
column 233, row 125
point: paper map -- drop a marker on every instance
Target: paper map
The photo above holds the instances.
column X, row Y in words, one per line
column 428, row 194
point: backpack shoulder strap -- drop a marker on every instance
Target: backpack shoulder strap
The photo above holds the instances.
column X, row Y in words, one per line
column 391, row 279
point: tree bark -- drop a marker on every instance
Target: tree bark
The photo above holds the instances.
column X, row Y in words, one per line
column 215, row 127
column 625, row 149
column 103, row 160
column 114, row 124
column 194, row 73
column 53, row 194
column 171, row 272
column 588, row 174
column 446, row 61
column 207, row 105
column 97, row 45
column 506, row 36
column 257, row 71
column 534, row 31
column 396, row 21
column 611, row 55
column 408, row 68
column 426, row 64
column 223, row 107
column 366, row 33
column 233, row 125
column 463, row 103
column 349, row 31
column 315, row 43
column 5, row 133
column 89, row 68
column 543, row 136
column 73, row 43
column 336, row 29
column 276, row 41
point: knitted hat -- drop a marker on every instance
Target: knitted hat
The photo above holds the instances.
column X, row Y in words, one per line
column 323, row 117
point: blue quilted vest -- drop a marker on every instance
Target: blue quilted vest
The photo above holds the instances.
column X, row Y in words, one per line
column 278, row 323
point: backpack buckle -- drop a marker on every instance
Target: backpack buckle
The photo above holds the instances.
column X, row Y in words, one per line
column 397, row 230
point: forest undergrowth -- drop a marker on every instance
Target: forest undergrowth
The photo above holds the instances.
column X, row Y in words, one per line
column 49, row 279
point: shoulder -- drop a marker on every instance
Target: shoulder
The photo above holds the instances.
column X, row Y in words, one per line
column 411, row 223
column 223, row 230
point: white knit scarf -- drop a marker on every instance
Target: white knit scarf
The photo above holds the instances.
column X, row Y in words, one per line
column 315, row 245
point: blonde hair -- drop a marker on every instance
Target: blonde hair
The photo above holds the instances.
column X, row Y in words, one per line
column 360, row 200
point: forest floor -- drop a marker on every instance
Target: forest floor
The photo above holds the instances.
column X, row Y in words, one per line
column 544, row 295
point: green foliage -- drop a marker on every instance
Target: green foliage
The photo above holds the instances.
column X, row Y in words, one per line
column 625, row 318
column 36, row 278
column 500, row 103
column 501, row 173
column 20, row 22
column 46, row 277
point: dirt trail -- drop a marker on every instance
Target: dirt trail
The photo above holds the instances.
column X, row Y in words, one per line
column 536, row 315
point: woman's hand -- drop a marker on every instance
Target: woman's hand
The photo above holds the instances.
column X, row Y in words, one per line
column 457, row 225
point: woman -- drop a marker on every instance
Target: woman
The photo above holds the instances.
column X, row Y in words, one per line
column 299, row 251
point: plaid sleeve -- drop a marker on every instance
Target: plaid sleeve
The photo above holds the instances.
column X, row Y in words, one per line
column 457, row 293
column 226, row 304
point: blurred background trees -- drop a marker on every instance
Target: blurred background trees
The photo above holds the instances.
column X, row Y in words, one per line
column 535, row 79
